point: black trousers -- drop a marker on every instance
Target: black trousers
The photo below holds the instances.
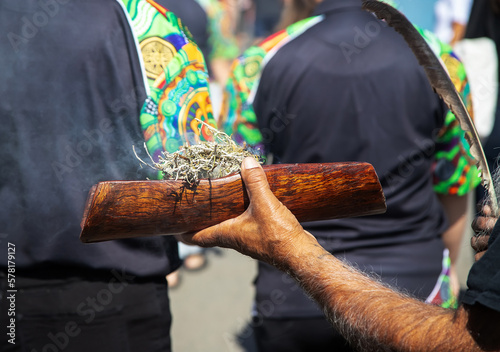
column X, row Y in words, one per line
column 85, row 316
column 298, row 335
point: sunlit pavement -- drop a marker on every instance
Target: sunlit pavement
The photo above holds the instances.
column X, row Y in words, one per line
column 211, row 306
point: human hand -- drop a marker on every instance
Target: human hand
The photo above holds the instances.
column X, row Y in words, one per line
column 482, row 226
column 266, row 231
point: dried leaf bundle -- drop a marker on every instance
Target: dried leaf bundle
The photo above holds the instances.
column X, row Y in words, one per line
column 205, row 160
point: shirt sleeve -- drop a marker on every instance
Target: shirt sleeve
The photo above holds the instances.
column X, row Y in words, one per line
column 454, row 169
column 178, row 82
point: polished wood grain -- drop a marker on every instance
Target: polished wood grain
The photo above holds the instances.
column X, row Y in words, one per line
column 126, row 209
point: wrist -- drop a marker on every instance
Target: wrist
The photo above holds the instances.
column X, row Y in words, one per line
column 302, row 252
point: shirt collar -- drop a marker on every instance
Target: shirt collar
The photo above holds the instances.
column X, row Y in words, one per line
column 332, row 5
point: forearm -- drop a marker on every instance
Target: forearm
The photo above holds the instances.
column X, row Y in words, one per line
column 375, row 317
column 456, row 212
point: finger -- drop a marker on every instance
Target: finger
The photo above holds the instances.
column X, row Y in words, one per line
column 185, row 238
column 220, row 235
column 480, row 243
column 483, row 224
column 487, row 210
column 479, row 255
column 202, row 238
column 255, row 179
column 483, row 208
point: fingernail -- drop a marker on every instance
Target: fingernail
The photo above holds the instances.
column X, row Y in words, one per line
column 250, row 163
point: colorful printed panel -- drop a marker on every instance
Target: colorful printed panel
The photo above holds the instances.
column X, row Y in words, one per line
column 177, row 78
column 454, row 170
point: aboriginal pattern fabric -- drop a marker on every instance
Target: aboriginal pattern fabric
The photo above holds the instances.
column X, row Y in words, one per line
column 454, row 170
column 221, row 29
column 177, row 79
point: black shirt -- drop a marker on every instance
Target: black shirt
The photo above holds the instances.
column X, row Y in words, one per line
column 350, row 89
column 484, row 277
column 71, row 88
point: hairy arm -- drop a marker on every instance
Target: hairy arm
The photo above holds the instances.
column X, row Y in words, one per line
column 369, row 314
column 374, row 317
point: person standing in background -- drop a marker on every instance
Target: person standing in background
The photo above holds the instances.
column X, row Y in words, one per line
column 293, row 121
column 78, row 88
column 451, row 19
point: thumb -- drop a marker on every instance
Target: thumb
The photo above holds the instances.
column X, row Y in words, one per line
column 254, row 177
